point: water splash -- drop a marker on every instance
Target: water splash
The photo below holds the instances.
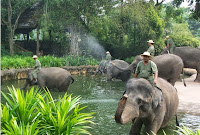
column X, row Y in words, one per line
column 92, row 47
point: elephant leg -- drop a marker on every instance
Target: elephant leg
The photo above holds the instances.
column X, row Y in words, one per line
column 198, row 75
column 153, row 127
column 41, row 83
column 136, row 127
column 64, row 86
column 25, row 85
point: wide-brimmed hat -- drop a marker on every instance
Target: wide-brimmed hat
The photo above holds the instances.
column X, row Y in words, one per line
column 35, row 57
column 167, row 36
column 150, row 41
column 107, row 52
column 146, row 54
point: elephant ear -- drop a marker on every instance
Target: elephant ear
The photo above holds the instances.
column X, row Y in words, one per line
column 157, row 98
column 30, row 75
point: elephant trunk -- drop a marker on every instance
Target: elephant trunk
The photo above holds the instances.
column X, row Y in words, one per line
column 120, row 109
column 130, row 112
column 125, row 111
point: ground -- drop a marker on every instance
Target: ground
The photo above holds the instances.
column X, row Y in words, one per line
column 189, row 96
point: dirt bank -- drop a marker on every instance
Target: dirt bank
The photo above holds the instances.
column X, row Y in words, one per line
column 189, row 97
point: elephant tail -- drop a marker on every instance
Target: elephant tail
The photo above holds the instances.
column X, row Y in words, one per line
column 177, row 123
column 72, row 79
column 183, row 78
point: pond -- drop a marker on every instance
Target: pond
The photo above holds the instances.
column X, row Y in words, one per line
column 102, row 97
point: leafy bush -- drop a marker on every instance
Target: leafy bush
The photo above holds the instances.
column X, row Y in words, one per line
column 129, row 60
column 182, row 36
column 8, row 62
column 4, row 51
column 38, row 113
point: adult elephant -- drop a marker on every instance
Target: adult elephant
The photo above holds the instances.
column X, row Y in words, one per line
column 169, row 66
column 190, row 57
column 114, row 72
column 144, row 105
column 53, row 77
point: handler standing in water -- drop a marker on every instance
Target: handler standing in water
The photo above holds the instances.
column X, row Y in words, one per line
column 147, row 69
column 36, row 68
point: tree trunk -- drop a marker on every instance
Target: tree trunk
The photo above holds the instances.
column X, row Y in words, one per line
column 11, row 43
column 10, row 28
column 74, row 49
column 38, row 43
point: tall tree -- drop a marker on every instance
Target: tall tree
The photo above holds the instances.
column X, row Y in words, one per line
column 74, row 17
column 11, row 12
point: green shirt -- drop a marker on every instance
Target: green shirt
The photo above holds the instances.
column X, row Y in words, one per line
column 37, row 64
column 171, row 43
column 151, row 50
column 146, row 71
column 108, row 57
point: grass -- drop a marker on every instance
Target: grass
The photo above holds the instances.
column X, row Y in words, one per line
column 36, row 112
column 17, row 62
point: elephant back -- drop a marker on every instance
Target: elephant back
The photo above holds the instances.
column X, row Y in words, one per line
column 120, row 63
column 53, row 73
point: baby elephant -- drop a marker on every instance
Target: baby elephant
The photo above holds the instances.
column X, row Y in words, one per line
column 143, row 104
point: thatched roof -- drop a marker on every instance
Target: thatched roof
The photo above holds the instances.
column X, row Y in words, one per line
column 27, row 21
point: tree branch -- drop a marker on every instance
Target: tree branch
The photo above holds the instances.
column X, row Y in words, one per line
column 6, row 23
column 17, row 20
column 157, row 3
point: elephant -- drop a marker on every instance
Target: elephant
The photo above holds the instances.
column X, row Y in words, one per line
column 146, row 105
column 114, row 72
column 169, row 66
column 190, row 57
column 53, row 77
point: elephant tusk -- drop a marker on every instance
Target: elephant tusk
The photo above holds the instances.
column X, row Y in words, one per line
column 125, row 96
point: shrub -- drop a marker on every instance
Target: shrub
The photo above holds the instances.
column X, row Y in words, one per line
column 37, row 112
column 129, row 60
column 17, row 61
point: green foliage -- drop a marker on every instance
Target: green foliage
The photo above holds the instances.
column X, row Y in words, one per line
column 8, row 62
column 125, row 30
column 182, row 36
column 16, row 62
column 19, row 111
column 59, row 116
column 38, row 113
column 4, row 51
column 130, row 60
column 186, row 131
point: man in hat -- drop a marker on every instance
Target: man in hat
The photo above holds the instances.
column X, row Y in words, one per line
column 170, row 44
column 108, row 59
column 36, row 68
column 151, row 49
column 147, row 69
column 108, row 56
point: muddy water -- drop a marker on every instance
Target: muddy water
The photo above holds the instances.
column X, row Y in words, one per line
column 102, row 97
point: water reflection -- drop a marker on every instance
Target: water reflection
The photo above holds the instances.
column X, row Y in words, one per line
column 102, row 97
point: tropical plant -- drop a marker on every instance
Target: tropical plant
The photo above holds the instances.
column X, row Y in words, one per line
column 63, row 116
column 186, row 131
column 36, row 112
column 20, row 111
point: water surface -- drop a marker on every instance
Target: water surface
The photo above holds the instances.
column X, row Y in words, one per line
column 102, row 97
